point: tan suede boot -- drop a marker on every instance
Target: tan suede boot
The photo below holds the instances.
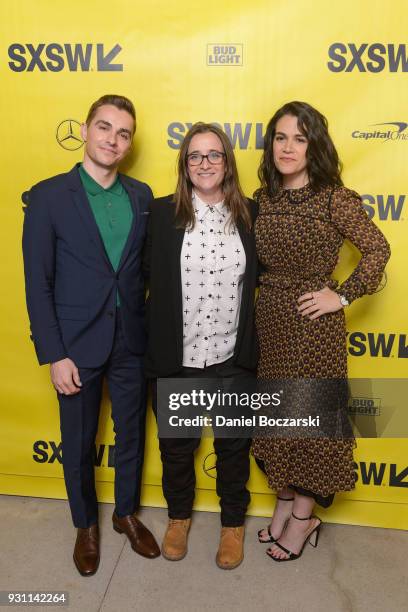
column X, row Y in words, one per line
column 231, row 550
column 174, row 546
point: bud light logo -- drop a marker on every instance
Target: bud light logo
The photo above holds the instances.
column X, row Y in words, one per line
column 365, row 406
column 56, row 57
column 375, row 57
column 241, row 135
column 225, row 55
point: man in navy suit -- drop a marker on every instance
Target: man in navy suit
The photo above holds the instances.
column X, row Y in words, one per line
column 82, row 244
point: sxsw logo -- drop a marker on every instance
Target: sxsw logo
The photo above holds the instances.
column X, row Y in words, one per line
column 55, row 57
column 225, row 55
column 241, row 135
column 391, row 130
column 366, row 406
column 381, row 474
column 377, row 345
column 384, row 207
column 374, row 57
column 50, row 452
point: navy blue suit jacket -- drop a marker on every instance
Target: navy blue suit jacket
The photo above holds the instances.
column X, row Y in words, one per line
column 70, row 283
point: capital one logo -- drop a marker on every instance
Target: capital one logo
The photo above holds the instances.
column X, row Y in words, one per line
column 389, row 131
column 365, row 57
column 55, row 57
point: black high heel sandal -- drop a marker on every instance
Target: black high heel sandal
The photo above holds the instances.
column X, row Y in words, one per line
column 271, row 539
column 314, row 533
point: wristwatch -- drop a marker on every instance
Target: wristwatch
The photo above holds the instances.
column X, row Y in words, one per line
column 343, row 300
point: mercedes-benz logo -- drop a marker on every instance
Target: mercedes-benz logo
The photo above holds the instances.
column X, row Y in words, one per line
column 209, row 465
column 68, row 135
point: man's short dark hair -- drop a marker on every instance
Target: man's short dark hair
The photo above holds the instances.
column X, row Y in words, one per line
column 120, row 102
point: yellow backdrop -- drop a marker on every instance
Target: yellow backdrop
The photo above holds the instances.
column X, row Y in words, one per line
column 233, row 63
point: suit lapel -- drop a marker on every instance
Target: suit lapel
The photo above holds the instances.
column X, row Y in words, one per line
column 135, row 227
column 177, row 294
column 85, row 212
column 244, row 235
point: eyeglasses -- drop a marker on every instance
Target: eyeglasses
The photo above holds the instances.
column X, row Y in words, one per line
column 213, row 157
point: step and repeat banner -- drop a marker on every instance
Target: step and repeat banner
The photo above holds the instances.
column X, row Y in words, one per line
column 232, row 63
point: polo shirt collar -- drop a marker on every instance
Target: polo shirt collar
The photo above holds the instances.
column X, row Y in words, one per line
column 94, row 188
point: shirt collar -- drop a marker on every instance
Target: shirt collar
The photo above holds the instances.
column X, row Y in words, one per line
column 201, row 209
column 94, row 188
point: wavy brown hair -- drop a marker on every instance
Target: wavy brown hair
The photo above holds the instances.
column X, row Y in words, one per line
column 323, row 164
column 234, row 198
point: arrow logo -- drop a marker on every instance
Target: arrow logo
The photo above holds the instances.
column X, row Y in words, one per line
column 105, row 61
column 396, row 480
column 403, row 347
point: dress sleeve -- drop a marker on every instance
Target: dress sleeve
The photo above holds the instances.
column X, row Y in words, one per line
column 353, row 223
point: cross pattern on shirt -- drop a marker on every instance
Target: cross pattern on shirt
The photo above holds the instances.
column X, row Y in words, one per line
column 214, row 275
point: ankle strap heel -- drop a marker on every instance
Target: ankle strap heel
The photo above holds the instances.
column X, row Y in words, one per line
column 304, row 518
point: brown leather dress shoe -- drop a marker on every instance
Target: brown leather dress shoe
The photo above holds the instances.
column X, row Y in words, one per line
column 231, row 550
column 86, row 551
column 174, row 547
column 141, row 539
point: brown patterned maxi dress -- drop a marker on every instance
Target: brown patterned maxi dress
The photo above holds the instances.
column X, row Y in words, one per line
column 298, row 236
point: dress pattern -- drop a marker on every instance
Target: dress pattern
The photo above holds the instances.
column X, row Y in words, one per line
column 298, row 236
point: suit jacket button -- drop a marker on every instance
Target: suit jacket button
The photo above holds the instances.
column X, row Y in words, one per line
column 110, row 313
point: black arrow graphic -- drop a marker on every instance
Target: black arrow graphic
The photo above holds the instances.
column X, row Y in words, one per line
column 396, row 480
column 402, row 346
column 105, row 61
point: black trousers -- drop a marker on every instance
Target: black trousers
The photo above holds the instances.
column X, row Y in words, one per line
column 79, row 416
column 177, row 455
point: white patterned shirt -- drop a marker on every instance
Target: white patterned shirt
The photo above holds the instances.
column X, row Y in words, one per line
column 212, row 269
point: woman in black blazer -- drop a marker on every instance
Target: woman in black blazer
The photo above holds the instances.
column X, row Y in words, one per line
column 201, row 260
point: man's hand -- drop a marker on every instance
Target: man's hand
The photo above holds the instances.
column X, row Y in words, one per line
column 65, row 377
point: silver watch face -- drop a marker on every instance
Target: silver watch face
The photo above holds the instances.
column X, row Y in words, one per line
column 344, row 301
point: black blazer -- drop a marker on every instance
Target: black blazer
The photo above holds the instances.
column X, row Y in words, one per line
column 164, row 355
column 70, row 283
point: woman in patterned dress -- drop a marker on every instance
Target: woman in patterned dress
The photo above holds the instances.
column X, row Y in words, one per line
column 305, row 214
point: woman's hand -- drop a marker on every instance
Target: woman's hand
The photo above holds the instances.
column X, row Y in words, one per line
column 317, row 303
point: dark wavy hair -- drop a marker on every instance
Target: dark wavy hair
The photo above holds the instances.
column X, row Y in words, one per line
column 323, row 164
column 234, row 198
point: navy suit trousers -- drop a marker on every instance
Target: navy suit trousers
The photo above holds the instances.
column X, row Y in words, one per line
column 79, row 416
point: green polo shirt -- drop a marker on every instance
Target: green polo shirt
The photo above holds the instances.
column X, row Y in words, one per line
column 113, row 214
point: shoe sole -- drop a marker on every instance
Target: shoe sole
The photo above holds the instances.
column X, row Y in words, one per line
column 229, row 567
column 173, row 557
